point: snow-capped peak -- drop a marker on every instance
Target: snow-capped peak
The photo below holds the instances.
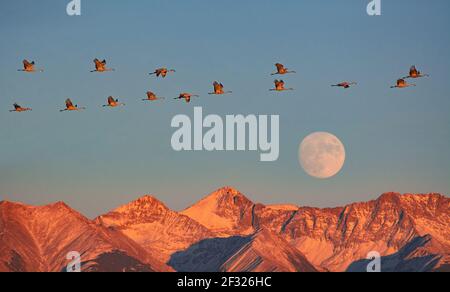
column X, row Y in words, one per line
column 225, row 210
column 145, row 205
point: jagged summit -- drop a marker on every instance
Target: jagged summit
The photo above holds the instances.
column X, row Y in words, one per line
column 55, row 205
column 402, row 198
column 10, row 203
column 60, row 205
column 390, row 196
column 146, row 200
column 147, row 203
column 225, row 211
column 142, row 210
column 226, row 194
column 57, row 208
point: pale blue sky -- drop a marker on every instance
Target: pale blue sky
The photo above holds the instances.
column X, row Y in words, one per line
column 396, row 140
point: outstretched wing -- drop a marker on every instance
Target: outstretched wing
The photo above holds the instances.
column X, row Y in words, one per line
column 69, row 103
column 27, row 64
column 218, row 86
column 280, row 67
column 99, row 65
column 111, row 100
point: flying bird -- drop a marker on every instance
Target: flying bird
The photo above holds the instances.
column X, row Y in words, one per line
column 401, row 83
column 218, row 89
column 19, row 109
column 113, row 102
column 279, row 86
column 186, row 96
column 162, row 72
column 281, row 70
column 152, row 97
column 71, row 107
column 29, row 67
column 345, row 84
column 100, row 66
column 414, row 73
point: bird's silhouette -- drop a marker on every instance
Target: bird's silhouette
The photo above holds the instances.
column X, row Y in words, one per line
column 414, row 73
column 19, row 109
column 100, row 66
column 218, row 89
column 162, row 72
column 345, row 84
column 70, row 107
column 279, row 86
column 281, row 70
column 112, row 102
column 187, row 97
column 152, row 97
column 401, row 83
column 29, row 67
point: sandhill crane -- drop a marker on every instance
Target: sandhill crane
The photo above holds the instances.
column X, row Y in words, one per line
column 100, row 66
column 29, row 67
column 19, row 109
column 162, row 72
column 152, row 97
column 345, row 84
column 71, row 107
column 281, row 70
column 186, row 96
column 279, row 86
column 401, row 83
column 218, row 89
column 414, row 73
column 113, row 102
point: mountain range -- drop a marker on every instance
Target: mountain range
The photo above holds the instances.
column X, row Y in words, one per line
column 227, row 232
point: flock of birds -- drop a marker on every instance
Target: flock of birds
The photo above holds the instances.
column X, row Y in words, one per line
column 101, row 67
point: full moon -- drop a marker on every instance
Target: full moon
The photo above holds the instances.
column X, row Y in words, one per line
column 322, row 155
